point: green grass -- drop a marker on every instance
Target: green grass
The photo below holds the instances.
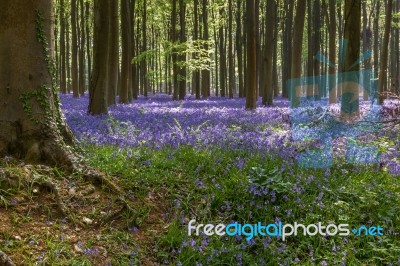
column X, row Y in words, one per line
column 212, row 187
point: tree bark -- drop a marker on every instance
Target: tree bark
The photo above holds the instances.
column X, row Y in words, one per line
column 100, row 76
column 32, row 126
column 251, row 95
column 222, row 58
column 385, row 52
column 196, row 73
column 232, row 83
column 332, row 46
column 126, row 51
column 268, row 55
column 297, row 47
column 287, row 45
column 74, row 45
column 63, row 70
column 114, row 53
column 352, row 30
column 205, row 73
column 239, row 48
column 82, row 79
column 182, row 39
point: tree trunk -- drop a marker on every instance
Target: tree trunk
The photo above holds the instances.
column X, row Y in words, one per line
column 268, row 55
column 101, row 53
column 366, row 47
column 134, row 77
column 332, row 46
column 251, row 95
column 31, row 123
column 287, row 46
column 63, row 70
column 196, row 73
column 144, row 48
column 114, row 53
column 222, row 58
column 88, row 41
column 205, row 79
column 126, row 51
column 239, row 47
column 182, row 39
column 174, row 52
column 376, row 36
column 82, row 80
column 74, row 44
column 275, row 59
column 231, row 74
column 352, row 30
column 385, row 52
column 297, row 47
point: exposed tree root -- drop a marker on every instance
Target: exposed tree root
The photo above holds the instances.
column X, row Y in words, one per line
column 95, row 176
column 43, row 178
column 5, row 260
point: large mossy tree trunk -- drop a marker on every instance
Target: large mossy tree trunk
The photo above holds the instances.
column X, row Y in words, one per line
column 31, row 124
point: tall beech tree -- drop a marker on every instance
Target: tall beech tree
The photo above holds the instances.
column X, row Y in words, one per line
column 75, row 49
column 113, row 60
column 268, row 55
column 332, row 45
column 31, row 124
column 126, row 51
column 99, row 84
column 251, row 93
column 385, row 51
column 297, row 47
column 352, row 32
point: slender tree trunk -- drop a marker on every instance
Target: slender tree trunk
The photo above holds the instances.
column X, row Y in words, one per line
column 114, row 53
column 182, row 70
column 196, row 73
column 385, row 52
column 67, row 56
column 174, row 52
column 352, row 30
column 275, row 57
column 205, row 79
column 376, row 35
column 126, row 51
column 239, row 47
column 268, row 55
column 88, row 40
column 74, row 44
column 63, row 70
column 251, row 95
column 144, row 48
column 287, row 46
column 134, row 77
column 82, row 79
column 332, row 48
column 232, row 83
column 100, row 77
column 316, row 48
column 366, row 47
column 297, row 47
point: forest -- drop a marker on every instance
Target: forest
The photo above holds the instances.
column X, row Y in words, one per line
column 199, row 132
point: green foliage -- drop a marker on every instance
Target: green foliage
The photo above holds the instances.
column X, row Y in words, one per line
column 212, row 187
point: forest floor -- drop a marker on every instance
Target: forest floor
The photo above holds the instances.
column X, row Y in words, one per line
column 213, row 162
